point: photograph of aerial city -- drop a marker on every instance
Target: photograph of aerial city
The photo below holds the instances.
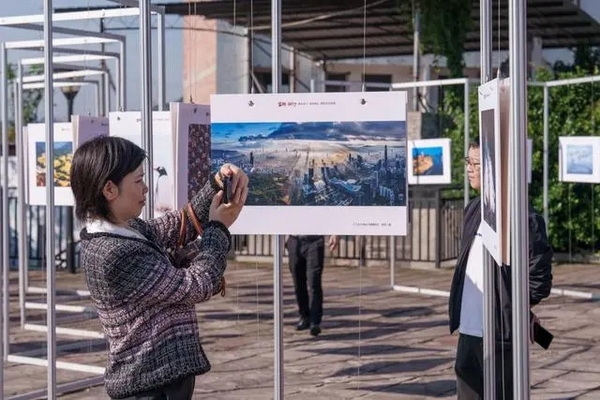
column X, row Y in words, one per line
column 316, row 163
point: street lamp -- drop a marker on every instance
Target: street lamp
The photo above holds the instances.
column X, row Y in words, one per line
column 70, row 92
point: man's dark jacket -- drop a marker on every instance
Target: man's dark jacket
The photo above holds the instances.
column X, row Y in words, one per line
column 540, row 271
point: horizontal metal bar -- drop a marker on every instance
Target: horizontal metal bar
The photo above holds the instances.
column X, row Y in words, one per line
column 71, row 16
column 439, row 82
column 68, row 59
column 63, row 75
column 354, row 83
column 61, row 307
column 76, row 67
column 573, row 81
column 58, row 84
column 61, row 388
column 576, row 294
column 41, row 362
column 68, row 346
column 43, row 290
column 135, row 3
column 418, row 290
column 65, row 331
column 39, row 43
column 71, row 31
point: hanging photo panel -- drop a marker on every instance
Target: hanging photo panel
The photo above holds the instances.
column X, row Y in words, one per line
column 579, row 159
column 128, row 125
column 191, row 124
column 318, row 163
column 429, row 161
column 36, row 164
column 491, row 185
column 86, row 128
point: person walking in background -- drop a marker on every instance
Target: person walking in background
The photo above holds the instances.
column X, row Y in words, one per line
column 306, row 260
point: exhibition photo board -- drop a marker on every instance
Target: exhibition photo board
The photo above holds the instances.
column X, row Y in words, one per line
column 191, row 125
column 491, row 156
column 128, row 125
column 67, row 137
column 318, row 163
column 429, row 162
column 579, row 159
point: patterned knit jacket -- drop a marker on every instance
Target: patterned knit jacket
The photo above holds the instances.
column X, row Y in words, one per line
column 146, row 305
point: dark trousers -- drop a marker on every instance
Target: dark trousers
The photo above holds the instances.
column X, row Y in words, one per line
column 469, row 370
column 182, row 389
column 306, row 256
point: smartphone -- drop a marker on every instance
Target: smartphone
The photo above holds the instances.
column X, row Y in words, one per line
column 542, row 336
column 226, row 189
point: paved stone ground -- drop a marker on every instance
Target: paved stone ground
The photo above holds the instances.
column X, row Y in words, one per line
column 376, row 343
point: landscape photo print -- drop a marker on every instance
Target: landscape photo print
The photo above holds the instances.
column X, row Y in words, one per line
column 579, row 159
column 318, row 163
column 37, row 160
column 429, row 161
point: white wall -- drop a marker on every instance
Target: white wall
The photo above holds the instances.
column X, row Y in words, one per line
column 232, row 59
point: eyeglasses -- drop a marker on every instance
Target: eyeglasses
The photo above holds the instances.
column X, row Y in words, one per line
column 472, row 164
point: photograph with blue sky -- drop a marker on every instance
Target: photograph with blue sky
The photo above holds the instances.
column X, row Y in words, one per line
column 317, row 163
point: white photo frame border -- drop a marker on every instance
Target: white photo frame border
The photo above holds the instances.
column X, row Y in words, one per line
column 565, row 176
column 445, row 177
column 388, row 106
column 489, row 99
column 63, row 132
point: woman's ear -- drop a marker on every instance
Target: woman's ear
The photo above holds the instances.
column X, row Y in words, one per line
column 110, row 191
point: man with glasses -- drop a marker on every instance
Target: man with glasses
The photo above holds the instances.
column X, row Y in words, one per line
column 466, row 295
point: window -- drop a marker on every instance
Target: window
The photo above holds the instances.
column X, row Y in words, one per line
column 376, row 78
column 264, row 79
column 338, row 77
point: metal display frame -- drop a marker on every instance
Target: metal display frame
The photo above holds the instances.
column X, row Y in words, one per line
column 45, row 22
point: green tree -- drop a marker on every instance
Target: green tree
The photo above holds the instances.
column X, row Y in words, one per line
column 573, row 210
column 31, row 99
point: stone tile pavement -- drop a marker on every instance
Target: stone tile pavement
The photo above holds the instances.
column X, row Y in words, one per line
column 376, row 343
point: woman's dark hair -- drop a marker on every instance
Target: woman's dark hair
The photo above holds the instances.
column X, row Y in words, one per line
column 95, row 162
column 474, row 144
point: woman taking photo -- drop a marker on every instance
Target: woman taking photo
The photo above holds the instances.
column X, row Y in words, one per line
column 144, row 297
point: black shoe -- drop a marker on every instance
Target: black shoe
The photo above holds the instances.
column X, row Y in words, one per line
column 315, row 329
column 303, row 324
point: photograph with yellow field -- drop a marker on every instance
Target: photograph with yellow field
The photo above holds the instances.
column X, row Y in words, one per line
column 63, row 155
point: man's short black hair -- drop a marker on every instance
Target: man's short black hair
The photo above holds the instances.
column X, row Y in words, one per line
column 95, row 162
column 474, row 144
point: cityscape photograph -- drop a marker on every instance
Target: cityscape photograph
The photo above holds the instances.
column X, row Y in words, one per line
column 317, row 163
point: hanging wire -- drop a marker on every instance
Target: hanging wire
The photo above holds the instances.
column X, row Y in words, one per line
column 189, row 53
column 364, row 66
column 592, row 186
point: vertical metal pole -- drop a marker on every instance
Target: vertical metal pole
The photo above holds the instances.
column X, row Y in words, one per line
column 312, row 85
column 103, row 77
column 4, row 231
column 546, row 154
column 392, row 261
column 50, row 227
column 519, row 238
column 278, row 253
column 98, row 99
column 467, row 134
column 106, row 82
column 118, row 104
column 416, row 55
column 160, row 27
column 146, row 101
column 489, row 309
column 21, row 205
column 122, row 80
